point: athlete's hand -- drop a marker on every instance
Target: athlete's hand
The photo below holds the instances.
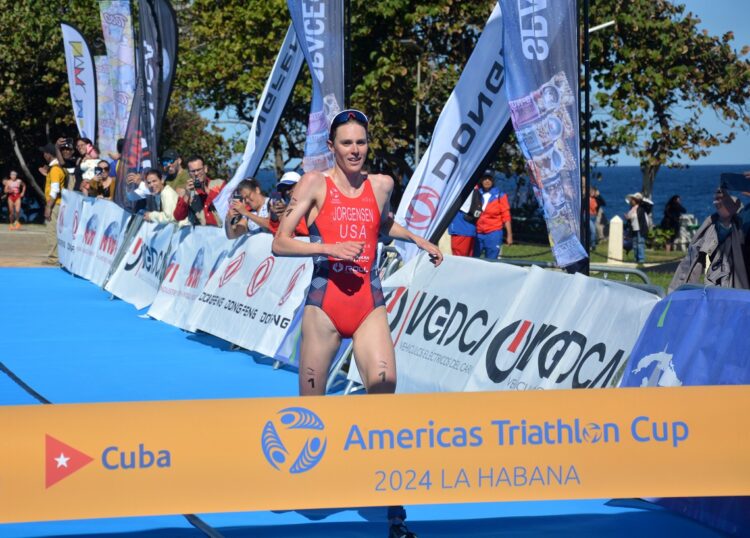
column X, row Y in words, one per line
column 436, row 257
column 349, row 250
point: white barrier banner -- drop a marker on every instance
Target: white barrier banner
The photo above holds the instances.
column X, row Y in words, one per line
column 252, row 296
column 136, row 279
column 469, row 124
column 68, row 221
column 187, row 273
column 471, row 325
column 103, row 231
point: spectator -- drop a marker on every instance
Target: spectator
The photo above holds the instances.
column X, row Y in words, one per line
column 115, row 163
column 16, row 190
column 279, row 201
column 638, row 221
column 494, row 218
column 601, row 217
column 176, row 176
column 593, row 211
column 88, row 160
column 103, row 184
column 67, row 159
column 160, row 205
column 248, row 212
column 54, row 181
column 671, row 221
column 463, row 227
column 717, row 250
column 196, row 204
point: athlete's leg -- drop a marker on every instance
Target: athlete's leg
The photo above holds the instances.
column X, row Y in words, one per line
column 10, row 212
column 373, row 353
column 18, row 212
column 320, row 341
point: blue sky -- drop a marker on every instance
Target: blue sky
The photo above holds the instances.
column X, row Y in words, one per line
column 718, row 17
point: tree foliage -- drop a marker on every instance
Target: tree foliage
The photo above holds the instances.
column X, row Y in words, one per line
column 656, row 74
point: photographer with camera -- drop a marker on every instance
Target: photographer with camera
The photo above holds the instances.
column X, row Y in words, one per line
column 103, row 185
column 279, row 201
column 196, row 204
column 249, row 211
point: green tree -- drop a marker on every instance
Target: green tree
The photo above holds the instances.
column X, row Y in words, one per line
column 228, row 49
column 34, row 99
column 657, row 73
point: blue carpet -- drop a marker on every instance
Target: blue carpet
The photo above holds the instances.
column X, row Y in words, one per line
column 68, row 342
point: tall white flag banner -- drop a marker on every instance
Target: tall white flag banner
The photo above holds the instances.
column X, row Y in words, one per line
column 319, row 25
column 472, row 325
column 117, row 27
column 81, row 79
column 252, row 296
column 68, row 222
column 136, row 280
column 469, row 125
column 271, row 104
column 106, row 118
column 189, row 268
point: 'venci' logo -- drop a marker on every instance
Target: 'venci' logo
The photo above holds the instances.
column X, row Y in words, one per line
column 303, row 435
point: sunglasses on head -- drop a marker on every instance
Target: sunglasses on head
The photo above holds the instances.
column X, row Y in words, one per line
column 349, row 114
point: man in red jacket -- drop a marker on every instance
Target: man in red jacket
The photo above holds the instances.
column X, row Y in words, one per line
column 197, row 203
column 495, row 219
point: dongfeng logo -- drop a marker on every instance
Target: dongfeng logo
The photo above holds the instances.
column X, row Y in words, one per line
column 303, row 436
column 423, row 208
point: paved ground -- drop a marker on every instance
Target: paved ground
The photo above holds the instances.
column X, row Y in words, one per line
column 26, row 247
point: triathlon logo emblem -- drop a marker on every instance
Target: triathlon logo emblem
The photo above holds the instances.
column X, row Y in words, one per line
column 422, row 208
column 75, row 223
column 303, row 434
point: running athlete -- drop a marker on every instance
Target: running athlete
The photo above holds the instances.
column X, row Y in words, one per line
column 16, row 189
column 345, row 210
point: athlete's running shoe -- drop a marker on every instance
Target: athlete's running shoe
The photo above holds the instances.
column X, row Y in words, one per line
column 399, row 530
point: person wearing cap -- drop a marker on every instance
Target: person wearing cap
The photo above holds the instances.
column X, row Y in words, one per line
column 638, row 220
column 279, row 201
column 494, row 222
column 196, row 203
column 345, row 210
column 174, row 174
column 53, row 185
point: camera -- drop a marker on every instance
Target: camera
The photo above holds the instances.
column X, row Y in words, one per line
column 67, row 143
column 275, row 196
column 98, row 170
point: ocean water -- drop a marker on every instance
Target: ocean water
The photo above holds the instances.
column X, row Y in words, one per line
column 695, row 185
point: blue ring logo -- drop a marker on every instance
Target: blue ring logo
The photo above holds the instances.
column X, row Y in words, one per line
column 304, row 428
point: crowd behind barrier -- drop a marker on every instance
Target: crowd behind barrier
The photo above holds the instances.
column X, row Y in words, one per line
column 469, row 325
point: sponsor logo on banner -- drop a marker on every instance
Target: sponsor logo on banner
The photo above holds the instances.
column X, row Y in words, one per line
column 231, row 270
column 423, row 208
column 292, row 284
column 61, row 216
column 663, row 373
column 89, row 233
column 218, row 261
column 302, row 433
column 75, row 223
column 61, row 460
column 196, row 270
column 172, row 268
column 108, row 243
column 461, row 331
column 260, row 276
column 148, row 257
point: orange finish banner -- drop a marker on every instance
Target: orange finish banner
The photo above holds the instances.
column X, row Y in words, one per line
column 146, row 458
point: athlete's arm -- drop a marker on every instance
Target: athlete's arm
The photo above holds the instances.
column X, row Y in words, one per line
column 309, row 189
